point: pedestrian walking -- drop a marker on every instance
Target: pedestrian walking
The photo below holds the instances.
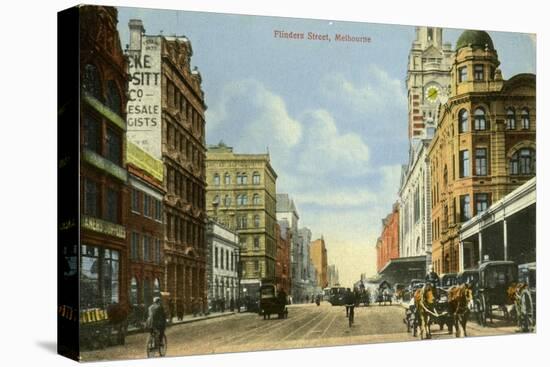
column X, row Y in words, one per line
column 232, row 304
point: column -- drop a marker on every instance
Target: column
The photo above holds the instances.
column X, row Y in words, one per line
column 461, row 256
column 480, row 240
column 505, row 229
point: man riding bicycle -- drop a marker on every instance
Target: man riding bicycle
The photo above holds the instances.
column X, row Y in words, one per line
column 156, row 320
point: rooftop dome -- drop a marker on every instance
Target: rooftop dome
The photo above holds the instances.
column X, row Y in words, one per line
column 475, row 38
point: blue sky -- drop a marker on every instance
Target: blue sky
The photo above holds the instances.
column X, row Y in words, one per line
column 333, row 115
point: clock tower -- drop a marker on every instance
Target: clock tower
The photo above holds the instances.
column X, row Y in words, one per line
column 428, row 81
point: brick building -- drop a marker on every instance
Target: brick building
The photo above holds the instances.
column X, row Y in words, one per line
column 387, row 246
column 282, row 264
column 172, row 129
column 103, row 175
column 483, row 149
column 145, row 233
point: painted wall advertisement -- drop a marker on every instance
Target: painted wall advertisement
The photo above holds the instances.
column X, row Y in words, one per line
column 144, row 128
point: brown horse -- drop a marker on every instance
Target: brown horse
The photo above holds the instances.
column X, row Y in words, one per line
column 460, row 300
column 424, row 304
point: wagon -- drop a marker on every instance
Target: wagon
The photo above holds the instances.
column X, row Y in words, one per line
column 272, row 302
column 495, row 277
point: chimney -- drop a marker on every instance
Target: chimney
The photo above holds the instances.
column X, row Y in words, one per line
column 136, row 32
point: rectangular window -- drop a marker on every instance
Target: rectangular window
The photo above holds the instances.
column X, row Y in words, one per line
column 465, row 210
column 478, row 72
column 462, row 74
column 91, row 198
column 256, row 243
column 146, row 248
column 157, row 251
column 92, row 134
column 113, row 149
column 221, row 258
column 481, row 161
column 158, row 210
column 112, row 206
column 135, row 200
column 464, row 163
column 256, row 265
column 227, row 259
column 216, row 257
column 147, row 205
column 134, row 250
column 482, row 202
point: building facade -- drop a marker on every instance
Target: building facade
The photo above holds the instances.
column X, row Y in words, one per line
column 282, row 265
column 170, row 126
column 223, row 265
column 286, row 210
column 484, row 146
column 241, row 196
column 415, row 237
column 318, row 254
column 333, row 276
column 145, row 235
column 428, row 80
column 387, row 245
column 103, row 174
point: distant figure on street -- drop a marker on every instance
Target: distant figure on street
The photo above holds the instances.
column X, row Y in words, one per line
column 223, row 304
column 433, row 279
column 232, row 304
column 172, row 306
column 281, row 296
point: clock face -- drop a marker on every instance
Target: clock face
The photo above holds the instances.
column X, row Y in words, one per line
column 432, row 93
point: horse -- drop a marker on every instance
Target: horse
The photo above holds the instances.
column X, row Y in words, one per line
column 460, row 298
column 424, row 301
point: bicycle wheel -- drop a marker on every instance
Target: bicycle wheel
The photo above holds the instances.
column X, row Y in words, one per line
column 163, row 346
column 150, row 346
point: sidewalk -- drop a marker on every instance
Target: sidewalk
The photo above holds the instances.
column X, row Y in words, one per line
column 186, row 319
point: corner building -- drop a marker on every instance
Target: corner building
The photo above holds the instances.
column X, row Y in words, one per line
column 241, row 196
column 179, row 142
column 483, row 149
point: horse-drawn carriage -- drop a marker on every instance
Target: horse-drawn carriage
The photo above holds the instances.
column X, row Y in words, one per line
column 272, row 301
column 525, row 296
column 384, row 293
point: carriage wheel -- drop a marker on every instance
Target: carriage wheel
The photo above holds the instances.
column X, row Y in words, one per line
column 525, row 313
column 480, row 310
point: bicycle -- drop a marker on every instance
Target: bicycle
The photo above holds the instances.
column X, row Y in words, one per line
column 156, row 344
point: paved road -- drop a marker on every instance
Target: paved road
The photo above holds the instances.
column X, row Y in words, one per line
column 306, row 326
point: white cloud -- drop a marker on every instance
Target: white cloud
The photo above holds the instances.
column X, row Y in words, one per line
column 327, row 150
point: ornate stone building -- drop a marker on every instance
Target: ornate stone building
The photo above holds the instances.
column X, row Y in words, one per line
column 241, row 196
column 103, row 174
column 171, row 127
column 484, row 146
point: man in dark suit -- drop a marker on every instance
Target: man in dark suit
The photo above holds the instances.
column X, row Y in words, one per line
column 157, row 318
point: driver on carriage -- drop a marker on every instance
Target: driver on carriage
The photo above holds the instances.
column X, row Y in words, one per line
column 433, row 279
column 156, row 319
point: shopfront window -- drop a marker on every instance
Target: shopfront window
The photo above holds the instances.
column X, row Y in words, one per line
column 99, row 277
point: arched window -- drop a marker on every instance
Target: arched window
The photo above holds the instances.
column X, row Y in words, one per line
column 245, row 199
column 256, row 199
column 134, row 291
column 113, row 97
column 227, row 200
column 463, row 121
column 91, row 81
column 216, row 179
column 480, row 122
column 510, row 119
column 256, row 178
column 244, row 178
column 227, row 179
column 523, row 162
column 525, row 119
column 147, row 294
column 257, row 221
